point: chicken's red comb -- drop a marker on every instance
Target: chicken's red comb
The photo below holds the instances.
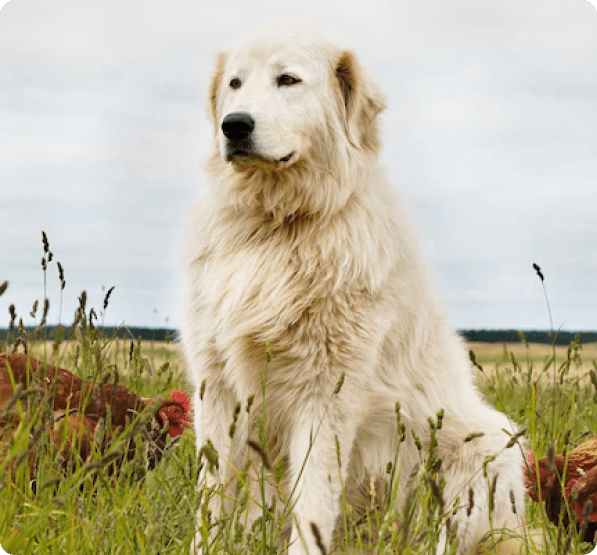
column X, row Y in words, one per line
column 182, row 398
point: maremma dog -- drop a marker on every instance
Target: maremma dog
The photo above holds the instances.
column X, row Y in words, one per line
column 308, row 309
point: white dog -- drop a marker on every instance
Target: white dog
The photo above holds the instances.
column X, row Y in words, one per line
column 302, row 243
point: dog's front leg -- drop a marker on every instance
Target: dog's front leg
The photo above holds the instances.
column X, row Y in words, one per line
column 318, row 438
column 220, row 457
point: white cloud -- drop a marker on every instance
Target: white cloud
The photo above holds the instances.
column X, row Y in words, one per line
column 489, row 133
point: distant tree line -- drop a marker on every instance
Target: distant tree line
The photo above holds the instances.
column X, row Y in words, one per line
column 486, row 336
column 145, row 334
column 531, row 336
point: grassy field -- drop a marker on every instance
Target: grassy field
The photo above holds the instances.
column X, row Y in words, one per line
column 151, row 355
column 87, row 512
column 499, row 355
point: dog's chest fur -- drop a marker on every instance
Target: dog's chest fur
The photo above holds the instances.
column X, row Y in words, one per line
column 315, row 300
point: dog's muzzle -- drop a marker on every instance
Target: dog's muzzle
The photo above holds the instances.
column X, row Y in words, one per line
column 237, row 128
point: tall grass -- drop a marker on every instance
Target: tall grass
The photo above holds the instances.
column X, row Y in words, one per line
column 86, row 510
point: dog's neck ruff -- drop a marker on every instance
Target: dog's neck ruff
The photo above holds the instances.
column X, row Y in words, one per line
column 281, row 192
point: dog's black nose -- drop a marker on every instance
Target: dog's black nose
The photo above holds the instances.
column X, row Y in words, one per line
column 238, row 125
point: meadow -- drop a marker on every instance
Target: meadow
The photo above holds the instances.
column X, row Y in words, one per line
column 45, row 510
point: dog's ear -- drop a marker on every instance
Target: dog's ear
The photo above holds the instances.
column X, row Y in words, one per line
column 215, row 89
column 362, row 103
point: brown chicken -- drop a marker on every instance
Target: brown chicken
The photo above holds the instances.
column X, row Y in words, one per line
column 579, row 491
column 87, row 416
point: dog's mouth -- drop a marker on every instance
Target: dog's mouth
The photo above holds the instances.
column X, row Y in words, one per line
column 241, row 156
column 287, row 157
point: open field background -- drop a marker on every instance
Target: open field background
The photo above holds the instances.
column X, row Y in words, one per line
column 514, row 357
column 88, row 512
column 491, row 356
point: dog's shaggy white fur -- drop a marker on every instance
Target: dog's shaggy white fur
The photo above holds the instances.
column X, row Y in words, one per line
column 302, row 243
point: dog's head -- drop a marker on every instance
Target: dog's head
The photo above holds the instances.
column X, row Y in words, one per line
column 278, row 99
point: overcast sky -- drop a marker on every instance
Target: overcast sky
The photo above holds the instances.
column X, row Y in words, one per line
column 490, row 135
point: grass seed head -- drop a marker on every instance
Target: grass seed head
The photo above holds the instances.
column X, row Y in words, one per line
column 492, row 490
column 417, row 440
column 211, row 456
column 471, row 502
column 452, row 529
column 92, row 315
column 473, row 359
column 317, row 536
column 436, row 492
column 269, row 355
column 339, row 384
column 44, row 240
column 473, row 435
column 539, row 272
column 44, row 316
column 514, row 439
column 61, row 276
column 440, row 418
column 13, row 316
column 432, row 424
column 235, row 414
column 83, row 301
column 259, row 450
column 107, row 297
column 338, row 452
column 486, row 461
column 512, row 501
column 401, row 430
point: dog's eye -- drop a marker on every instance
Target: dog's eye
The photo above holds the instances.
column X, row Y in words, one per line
column 285, row 80
column 235, row 83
